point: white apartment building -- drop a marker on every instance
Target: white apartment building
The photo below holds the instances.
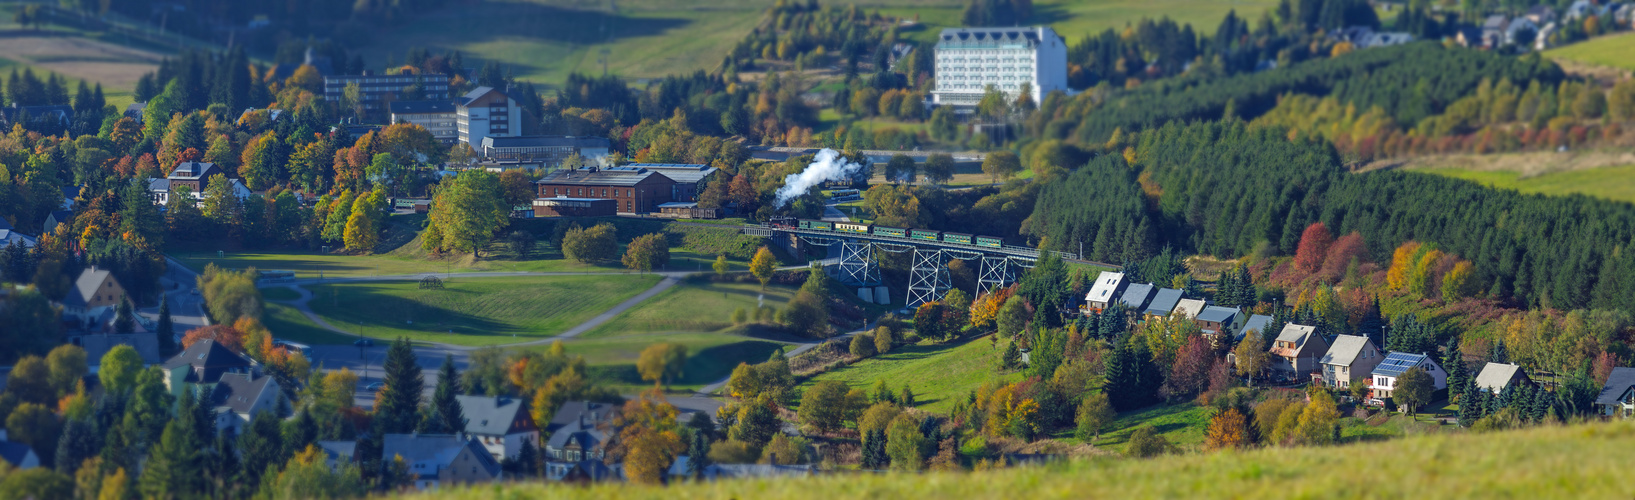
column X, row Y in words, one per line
column 486, row 112
column 971, row 59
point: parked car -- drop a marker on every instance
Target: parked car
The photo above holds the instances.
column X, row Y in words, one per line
column 364, row 343
column 375, row 387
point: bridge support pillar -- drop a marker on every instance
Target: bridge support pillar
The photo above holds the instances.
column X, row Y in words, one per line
column 857, row 264
column 996, row 272
column 928, row 280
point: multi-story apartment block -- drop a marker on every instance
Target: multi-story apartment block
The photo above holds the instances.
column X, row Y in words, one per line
column 971, row 59
column 486, row 112
column 437, row 117
column 374, row 90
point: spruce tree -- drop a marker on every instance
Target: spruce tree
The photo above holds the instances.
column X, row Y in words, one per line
column 698, row 456
column 528, row 459
column 1499, row 354
column 124, row 320
column 166, row 329
column 299, row 432
column 1454, row 362
column 260, row 446
column 203, row 414
column 445, row 416
column 79, row 441
column 397, row 410
column 1469, row 410
column 173, row 469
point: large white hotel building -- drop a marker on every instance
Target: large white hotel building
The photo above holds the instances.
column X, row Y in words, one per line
column 970, row 59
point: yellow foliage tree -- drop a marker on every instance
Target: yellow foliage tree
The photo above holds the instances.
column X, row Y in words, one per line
column 1227, row 430
column 1402, row 261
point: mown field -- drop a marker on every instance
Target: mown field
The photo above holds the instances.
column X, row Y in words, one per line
column 939, row 374
column 1613, row 183
column 474, row 311
column 1581, row 461
column 1617, row 51
column 545, row 40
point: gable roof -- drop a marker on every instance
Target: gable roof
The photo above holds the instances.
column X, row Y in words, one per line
column 192, row 170
column 1344, row 350
column 1190, row 307
column 571, row 411
column 1621, row 379
column 490, row 416
column 1106, row 284
column 238, row 391
column 601, row 177
column 209, row 356
column 1497, row 376
column 1163, row 302
column 1218, row 314
column 1398, row 362
column 88, row 284
column 339, row 450
column 475, row 94
column 1136, row 295
column 684, row 173
column 438, row 449
column 1257, row 322
column 481, row 455
column 14, row 452
column 1296, row 333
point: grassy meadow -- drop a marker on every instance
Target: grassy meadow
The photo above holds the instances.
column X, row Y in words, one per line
column 1616, row 51
column 939, row 374
column 474, row 311
column 1579, row 461
column 1612, row 183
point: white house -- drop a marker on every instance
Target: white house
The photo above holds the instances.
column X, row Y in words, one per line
column 968, row 60
column 486, row 112
column 502, row 424
column 239, row 396
column 1107, row 288
column 1385, row 375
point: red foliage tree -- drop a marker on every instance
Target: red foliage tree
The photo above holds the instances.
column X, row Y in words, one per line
column 1190, row 374
column 227, row 336
column 1314, row 243
column 1340, row 254
column 1604, row 364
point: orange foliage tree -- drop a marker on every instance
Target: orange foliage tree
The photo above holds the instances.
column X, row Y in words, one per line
column 648, row 439
column 1227, row 429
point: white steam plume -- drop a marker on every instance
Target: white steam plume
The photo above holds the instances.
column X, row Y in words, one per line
column 827, row 166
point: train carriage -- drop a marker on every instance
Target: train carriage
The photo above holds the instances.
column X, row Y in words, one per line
column 990, row 242
column 894, row 232
column 923, row 234
column 817, row 225
column 960, row 238
column 848, row 227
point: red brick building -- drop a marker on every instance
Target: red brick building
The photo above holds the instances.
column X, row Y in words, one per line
column 634, row 190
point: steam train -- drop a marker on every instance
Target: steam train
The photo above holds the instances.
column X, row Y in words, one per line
column 890, row 232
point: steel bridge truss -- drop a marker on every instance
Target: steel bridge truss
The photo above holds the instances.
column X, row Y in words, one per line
column 857, row 264
column 929, row 279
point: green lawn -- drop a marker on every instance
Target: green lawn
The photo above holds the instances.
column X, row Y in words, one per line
column 693, row 307
column 939, row 374
column 279, row 293
column 710, row 357
column 286, row 323
column 474, row 311
column 1616, row 50
column 1613, row 183
column 1183, row 424
column 1076, row 19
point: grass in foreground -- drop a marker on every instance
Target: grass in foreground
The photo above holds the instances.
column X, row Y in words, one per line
column 1612, row 183
column 1581, row 461
column 474, row 311
column 939, row 374
column 1617, row 51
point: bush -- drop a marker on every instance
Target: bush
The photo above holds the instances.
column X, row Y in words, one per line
column 732, row 452
column 862, row 346
column 1145, row 442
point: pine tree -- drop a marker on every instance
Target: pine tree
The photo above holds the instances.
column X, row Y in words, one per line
column 260, row 446
column 444, row 415
column 166, row 329
column 1469, row 411
column 1499, row 354
column 79, row 441
column 528, row 459
column 398, row 406
column 222, row 466
column 203, row 414
column 124, row 321
column 299, row 432
column 1454, row 362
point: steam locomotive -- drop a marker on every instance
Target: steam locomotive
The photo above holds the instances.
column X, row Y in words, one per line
column 890, row 232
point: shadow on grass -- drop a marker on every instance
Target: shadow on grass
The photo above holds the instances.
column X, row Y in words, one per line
column 365, row 305
column 706, row 366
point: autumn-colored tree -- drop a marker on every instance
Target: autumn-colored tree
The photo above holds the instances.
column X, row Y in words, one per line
column 648, row 437
column 1190, row 373
column 1402, row 262
column 1346, row 249
column 1227, row 430
column 307, row 78
column 662, row 362
column 647, row 252
column 763, row 265
column 517, row 187
column 1251, row 355
column 225, row 335
column 1001, row 164
column 1095, row 412
column 1319, row 419
column 1314, row 243
column 362, row 225
column 1456, row 281
column 411, row 142
column 1422, row 277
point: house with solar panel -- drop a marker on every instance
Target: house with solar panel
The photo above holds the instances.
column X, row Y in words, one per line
column 1395, row 364
column 1109, row 286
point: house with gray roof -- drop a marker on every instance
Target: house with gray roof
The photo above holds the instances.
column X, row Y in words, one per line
column 240, row 396
column 1257, row 323
column 1496, row 377
column 437, row 459
column 579, row 432
column 1350, row 356
column 1162, row 303
column 548, row 150
column 1617, row 398
column 1296, row 351
column 95, row 292
column 635, row 190
column 338, row 453
column 1109, row 286
column 501, row 423
column 1136, row 296
column 1395, row 364
column 1213, row 319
